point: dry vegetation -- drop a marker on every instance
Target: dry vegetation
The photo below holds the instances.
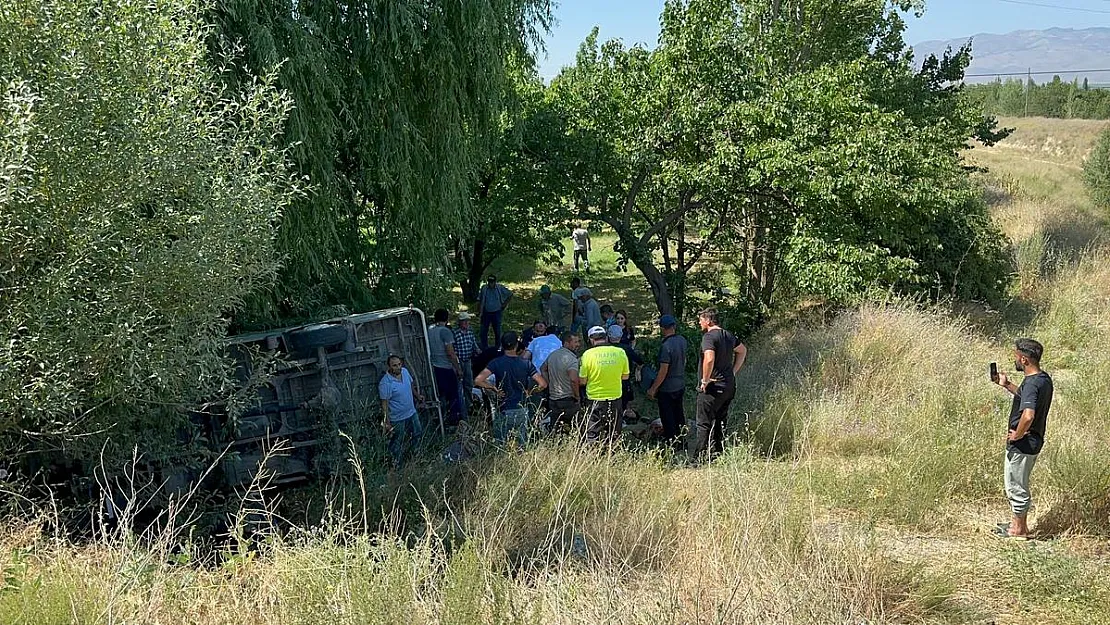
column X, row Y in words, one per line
column 865, row 493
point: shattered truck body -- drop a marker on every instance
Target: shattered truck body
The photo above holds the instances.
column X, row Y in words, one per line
column 303, row 385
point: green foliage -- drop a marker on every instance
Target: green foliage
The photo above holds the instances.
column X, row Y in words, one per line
column 1096, row 172
column 520, row 201
column 137, row 208
column 397, row 103
column 793, row 138
column 1020, row 98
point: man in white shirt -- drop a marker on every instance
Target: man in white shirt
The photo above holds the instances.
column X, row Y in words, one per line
column 582, row 246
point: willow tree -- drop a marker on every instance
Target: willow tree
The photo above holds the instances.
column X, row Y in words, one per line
column 396, row 105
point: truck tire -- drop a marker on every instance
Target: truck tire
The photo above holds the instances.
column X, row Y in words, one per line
column 306, row 340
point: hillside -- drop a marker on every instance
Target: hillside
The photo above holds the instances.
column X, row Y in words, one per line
column 863, row 491
column 1050, row 50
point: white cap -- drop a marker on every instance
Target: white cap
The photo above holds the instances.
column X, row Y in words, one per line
column 597, row 332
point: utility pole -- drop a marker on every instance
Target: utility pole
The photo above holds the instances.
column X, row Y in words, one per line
column 1028, row 88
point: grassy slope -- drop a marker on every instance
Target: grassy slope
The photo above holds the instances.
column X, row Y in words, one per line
column 866, row 494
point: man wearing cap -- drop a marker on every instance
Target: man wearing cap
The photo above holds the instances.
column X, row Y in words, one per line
column 493, row 299
column 603, row 370
column 669, row 387
column 554, row 310
column 466, row 348
column 589, row 309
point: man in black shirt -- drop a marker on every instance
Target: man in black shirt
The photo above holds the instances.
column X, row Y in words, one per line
column 1025, row 436
column 722, row 356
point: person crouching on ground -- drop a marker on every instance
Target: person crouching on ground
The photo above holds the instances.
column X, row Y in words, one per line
column 603, row 370
column 400, row 395
column 516, row 378
column 1025, row 435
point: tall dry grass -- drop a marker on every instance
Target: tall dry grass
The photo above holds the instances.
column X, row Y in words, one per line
column 860, row 490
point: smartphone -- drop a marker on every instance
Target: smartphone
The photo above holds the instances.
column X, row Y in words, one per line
column 994, row 372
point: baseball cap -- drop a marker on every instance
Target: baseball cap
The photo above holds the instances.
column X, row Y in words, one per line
column 544, row 290
column 667, row 321
column 465, row 316
column 597, row 332
column 616, row 332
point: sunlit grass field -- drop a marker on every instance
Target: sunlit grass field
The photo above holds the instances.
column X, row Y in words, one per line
column 861, row 487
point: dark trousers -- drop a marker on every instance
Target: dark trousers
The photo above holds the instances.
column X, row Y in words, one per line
column 603, row 420
column 491, row 319
column 563, row 414
column 583, row 255
column 712, row 416
column 447, row 385
column 670, row 413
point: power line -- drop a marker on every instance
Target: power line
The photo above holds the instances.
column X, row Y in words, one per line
column 1056, row 6
column 1061, row 72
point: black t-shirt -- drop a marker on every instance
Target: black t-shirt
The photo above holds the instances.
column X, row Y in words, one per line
column 1035, row 392
column 723, row 344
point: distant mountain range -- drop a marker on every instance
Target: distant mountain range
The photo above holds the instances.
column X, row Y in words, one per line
column 1055, row 50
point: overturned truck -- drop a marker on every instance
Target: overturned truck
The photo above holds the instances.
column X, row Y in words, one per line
column 301, row 387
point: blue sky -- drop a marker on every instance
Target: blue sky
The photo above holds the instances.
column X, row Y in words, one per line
column 637, row 21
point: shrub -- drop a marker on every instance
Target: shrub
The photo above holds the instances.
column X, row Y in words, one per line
column 1096, row 171
column 138, row 202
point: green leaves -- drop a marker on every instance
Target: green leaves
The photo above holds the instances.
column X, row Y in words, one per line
column 137, row 213
column 758, row 128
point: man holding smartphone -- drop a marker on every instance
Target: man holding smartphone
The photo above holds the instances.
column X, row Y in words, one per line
column 1025, row 434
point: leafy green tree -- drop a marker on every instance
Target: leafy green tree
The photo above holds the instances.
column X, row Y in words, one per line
column 397, row 105
column 784, row 138
column 520, row 201
column 138, row 203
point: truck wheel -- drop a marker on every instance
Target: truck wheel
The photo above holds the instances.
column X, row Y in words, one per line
column 307, row 339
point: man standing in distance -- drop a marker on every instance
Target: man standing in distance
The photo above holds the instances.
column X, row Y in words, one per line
column 466, row 348
column 561, row 372
column 493, row 299
column 445, row 366
column 669, row 387
column 582, row 245
column 603, row 370
column 515, row 377
column 722, row 356
column 400, row 395
column 554, row 310
column 1025, row 436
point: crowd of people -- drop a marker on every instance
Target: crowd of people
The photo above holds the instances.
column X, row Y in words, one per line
column 574, row 371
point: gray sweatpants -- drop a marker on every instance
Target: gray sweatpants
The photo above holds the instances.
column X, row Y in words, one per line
column 1018, row 467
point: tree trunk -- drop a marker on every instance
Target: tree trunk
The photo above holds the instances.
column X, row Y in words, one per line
column 659, row 289
column 475, row 265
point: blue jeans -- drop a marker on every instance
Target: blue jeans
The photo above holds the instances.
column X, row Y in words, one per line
column 405, row 435
column 491, row 319
column 508, row 420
